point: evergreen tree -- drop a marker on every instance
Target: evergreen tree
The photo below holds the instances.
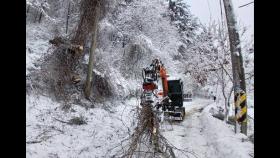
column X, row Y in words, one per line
column 182, row 18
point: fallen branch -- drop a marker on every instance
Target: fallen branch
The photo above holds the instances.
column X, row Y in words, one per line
column 64, row 43
column 34, row 141
column 61, row 121
column 146, row 140
column 73, row 121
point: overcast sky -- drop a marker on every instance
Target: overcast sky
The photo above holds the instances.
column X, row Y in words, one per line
column 210, row 9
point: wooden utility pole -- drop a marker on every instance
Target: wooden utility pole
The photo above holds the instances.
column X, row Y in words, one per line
column 88, row 85
column 237, row 61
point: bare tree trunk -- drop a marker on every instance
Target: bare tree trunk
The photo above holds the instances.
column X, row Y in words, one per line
column 92, row 49
column 36, row 16
column 40, row 17
column 68, row 15
column 27, row 11
column 236, row 56
column 224, row 95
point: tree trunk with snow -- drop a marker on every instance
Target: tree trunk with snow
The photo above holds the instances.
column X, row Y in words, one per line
column 88, row 85
column 67, row 18
column 27, row 11
column 35, row 19
column 236, row 56
column 224, row 95
column 40, row 17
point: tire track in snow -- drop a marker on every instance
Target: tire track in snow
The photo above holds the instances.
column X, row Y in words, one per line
column 187, row 135
column 204, row 135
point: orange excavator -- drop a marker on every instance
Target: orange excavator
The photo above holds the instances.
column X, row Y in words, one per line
column 167, row 96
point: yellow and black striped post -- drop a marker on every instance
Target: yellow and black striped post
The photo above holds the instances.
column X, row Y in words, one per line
column 241, row 110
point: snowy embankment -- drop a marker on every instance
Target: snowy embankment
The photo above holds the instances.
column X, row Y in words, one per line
column 37, row 37
column 205, row 135
column 48, row 134
column 105, row 128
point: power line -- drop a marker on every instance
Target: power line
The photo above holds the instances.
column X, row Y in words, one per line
column 245, row 4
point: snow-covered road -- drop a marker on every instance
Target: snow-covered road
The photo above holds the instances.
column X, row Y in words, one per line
column 205, row 135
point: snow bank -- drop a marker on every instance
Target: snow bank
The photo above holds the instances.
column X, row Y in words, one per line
column 206, row 136
column 107, row 125
column 223, row 139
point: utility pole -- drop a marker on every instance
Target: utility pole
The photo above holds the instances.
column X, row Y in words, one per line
column 237, row 68
column 88, row 85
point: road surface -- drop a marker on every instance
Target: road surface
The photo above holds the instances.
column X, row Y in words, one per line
column 204, row 135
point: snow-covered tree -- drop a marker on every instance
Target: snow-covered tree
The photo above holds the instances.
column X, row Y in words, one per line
column 182, row 18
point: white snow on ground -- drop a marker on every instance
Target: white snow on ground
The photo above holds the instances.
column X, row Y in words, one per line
column 205, row 135
column 104, row 130
column 108, row 125
column 37, row 37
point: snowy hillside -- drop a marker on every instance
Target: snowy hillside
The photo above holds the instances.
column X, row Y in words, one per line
column 130, row 35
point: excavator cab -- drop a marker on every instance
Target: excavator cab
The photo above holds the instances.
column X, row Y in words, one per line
column 175, row 108
column 175, row 92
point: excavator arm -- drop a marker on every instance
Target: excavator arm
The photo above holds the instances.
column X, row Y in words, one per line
column 164, row 76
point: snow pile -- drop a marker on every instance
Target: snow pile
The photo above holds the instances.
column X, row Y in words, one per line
column 227, row 143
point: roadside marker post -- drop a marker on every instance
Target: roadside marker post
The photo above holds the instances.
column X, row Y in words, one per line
column 241, row 111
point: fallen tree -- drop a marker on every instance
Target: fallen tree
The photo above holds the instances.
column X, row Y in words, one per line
column 146, row 140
